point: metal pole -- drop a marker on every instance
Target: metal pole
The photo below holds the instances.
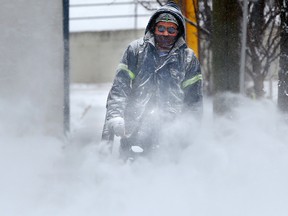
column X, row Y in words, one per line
column 243, row 48
column 66, row 109
column 136, row 14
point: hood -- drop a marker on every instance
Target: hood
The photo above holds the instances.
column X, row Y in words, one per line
column 173, row 9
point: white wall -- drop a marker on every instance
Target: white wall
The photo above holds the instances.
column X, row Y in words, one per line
column 96, row 55
column 31, row 68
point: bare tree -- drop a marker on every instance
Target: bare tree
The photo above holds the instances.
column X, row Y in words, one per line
column 283, row 73
column 150, row 4
column 263, row 41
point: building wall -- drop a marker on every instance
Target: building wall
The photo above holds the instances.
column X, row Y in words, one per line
column 94, row 56
column 31, row 67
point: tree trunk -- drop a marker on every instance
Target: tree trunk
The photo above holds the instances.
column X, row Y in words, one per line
column 259, row 86
column 255, row 30
column 226, row 50
column 258, row 79
column 283, row 72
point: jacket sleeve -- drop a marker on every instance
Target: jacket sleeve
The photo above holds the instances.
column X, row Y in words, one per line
column 192, row 84
column 121, row 88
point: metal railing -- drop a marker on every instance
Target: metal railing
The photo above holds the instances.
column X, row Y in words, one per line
column 134, row 15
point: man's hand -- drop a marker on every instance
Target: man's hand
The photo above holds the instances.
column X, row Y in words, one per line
column 117, row 124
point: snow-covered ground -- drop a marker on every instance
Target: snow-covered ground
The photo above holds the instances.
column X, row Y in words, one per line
column 233, row 166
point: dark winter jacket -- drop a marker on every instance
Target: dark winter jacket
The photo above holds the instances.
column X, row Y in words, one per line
column 149, row 89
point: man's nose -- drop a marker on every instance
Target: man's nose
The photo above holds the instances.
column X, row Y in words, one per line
column 166, row 33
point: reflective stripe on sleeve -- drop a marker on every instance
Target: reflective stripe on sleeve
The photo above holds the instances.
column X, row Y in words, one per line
column 122, row 66
column 191, row 81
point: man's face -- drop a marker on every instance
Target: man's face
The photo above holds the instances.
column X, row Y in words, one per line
column 165, row 35
column 166, row 29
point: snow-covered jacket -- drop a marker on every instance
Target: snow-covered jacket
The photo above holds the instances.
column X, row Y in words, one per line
column 149, row 88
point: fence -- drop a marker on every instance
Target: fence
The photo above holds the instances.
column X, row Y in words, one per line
column 99, row 33
column 110, row 16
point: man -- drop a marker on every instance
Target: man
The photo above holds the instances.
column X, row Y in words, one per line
column 157, row 80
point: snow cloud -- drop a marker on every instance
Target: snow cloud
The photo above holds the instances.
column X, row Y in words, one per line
column 232, row 166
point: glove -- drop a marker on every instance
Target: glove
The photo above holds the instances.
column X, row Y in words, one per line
column 117, row 124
